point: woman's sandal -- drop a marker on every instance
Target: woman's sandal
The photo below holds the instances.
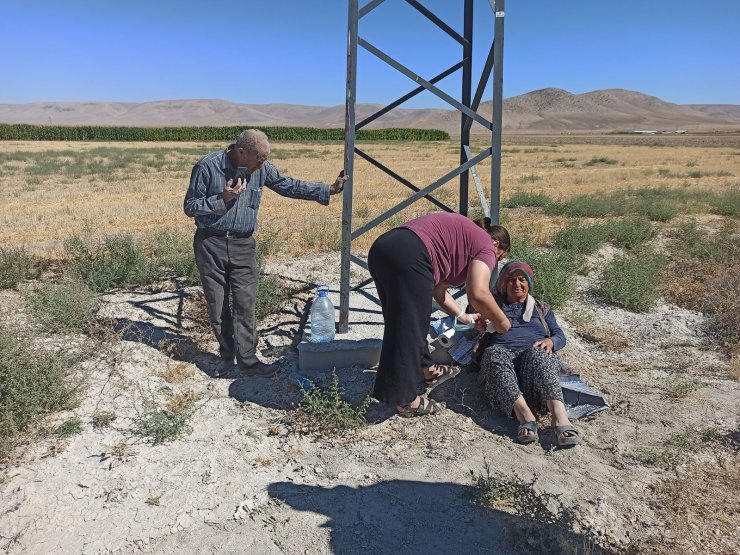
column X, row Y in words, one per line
column 426, row 407
column 445, row 373
column 567, row 440
column 526, row 439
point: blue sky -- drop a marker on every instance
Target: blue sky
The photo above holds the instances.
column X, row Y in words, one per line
column 291, row 51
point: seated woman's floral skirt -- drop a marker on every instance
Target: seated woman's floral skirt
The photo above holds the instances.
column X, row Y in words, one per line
column 506, row 374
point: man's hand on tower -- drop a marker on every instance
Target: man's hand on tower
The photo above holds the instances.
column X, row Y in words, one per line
column 338, row 185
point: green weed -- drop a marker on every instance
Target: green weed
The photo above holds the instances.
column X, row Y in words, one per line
column 678, row 448
column 325, row 236
column 173, row 255
column 726, row 204
column 266, row 247
column 324, row 411
column 33, row 383
column 160, row 426
column 631, row 282
column 630, row 232
column 659, row 212
column 103, row 419
column 69, row 306
column 689, row 241
column 16, row 265
column 553, row 270
column 584, row 206
column 69, row 427
column 362, row 212
column 681, row 387
column 713, row 284
column 656, row 203
column 523, row 198
column 580, row 238
column 116, row 261
column 601, row 160
column 271, row 295
column 529, row 178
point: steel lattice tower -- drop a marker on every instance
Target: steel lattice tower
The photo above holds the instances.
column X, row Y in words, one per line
column 467, row 104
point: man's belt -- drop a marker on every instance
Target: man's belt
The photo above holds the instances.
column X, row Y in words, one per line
column 221, row 233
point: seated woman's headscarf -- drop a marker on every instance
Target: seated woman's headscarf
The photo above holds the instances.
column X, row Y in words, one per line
column 526, row 270
column 511, row 267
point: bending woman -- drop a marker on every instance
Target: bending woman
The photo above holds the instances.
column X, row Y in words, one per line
column 411, row 265
column 518, row 370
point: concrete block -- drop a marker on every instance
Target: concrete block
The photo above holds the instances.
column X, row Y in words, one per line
column 361, row 345
column 340, row 353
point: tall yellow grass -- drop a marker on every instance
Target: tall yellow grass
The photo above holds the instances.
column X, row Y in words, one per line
column 39, row 210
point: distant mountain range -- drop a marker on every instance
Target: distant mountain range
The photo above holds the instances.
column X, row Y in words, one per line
column 546, row 110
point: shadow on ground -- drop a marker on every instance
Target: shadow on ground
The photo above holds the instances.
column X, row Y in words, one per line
column 398, row 516
column 171, row 333
column 175, row 345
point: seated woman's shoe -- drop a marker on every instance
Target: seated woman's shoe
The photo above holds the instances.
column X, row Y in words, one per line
column 526, row 438
column 567, row 436
column 426, row 407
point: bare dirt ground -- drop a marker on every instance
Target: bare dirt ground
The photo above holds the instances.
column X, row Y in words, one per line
column 244, row 481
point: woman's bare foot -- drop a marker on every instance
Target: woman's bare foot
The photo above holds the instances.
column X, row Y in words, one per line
column 566, row 433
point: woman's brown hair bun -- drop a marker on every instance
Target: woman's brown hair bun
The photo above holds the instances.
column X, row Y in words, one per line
column 497, row 232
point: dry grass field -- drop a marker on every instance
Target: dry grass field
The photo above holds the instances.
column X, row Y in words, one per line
column 53, row 190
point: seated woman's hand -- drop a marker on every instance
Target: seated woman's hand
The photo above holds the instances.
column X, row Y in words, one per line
column 546, row 344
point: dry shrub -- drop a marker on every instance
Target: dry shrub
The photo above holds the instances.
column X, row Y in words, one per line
column 177, row 348
column 530, row 223
column 699, row 509
column 176, row 373
column 543, row 524
column 722, row 301
column 198, row 321
column 182, row 402
column 712, row 262
column 735, row 364
column 608, row 339
column 683, row 290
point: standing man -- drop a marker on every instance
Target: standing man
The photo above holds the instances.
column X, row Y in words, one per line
column 224, row 197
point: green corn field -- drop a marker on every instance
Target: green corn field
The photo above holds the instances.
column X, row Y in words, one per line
column 24, row 132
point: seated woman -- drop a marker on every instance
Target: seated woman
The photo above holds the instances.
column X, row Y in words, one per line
column 518, row 370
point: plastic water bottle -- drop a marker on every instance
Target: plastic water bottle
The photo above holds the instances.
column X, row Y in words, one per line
column 322, row 316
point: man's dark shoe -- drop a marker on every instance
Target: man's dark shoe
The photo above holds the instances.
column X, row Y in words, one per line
column 260, row 369
column 222, row 368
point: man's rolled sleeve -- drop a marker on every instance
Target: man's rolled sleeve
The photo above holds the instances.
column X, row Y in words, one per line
column 197, row 203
